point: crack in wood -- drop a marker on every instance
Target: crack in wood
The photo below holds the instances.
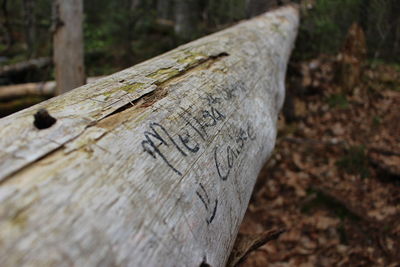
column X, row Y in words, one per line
column 160, row 92
column 143, row 101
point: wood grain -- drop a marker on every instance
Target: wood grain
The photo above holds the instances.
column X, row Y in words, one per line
column 151, row 166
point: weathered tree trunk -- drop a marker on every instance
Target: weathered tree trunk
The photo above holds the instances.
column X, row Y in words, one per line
column 152, row 166
column 68, row 44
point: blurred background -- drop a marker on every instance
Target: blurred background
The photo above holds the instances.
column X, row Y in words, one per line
column 121, row 33
column 333, row 180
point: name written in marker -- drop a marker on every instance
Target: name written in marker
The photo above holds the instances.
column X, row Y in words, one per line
column 158, row 141
column 201, row 123
column 232, row 152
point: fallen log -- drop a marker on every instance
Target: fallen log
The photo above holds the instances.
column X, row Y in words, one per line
column 151, row 166
column 34, row 89
column 36, row 63
column 12, row 106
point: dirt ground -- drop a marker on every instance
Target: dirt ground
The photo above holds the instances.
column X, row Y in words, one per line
column 333, row 182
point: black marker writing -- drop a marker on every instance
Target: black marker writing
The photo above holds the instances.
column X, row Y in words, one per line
column 232, row 152
column 204, row 198
column 151, row 148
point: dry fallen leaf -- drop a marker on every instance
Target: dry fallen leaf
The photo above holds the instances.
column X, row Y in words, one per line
column 246, row 243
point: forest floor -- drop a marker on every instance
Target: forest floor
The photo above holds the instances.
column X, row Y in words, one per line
column 333, row 181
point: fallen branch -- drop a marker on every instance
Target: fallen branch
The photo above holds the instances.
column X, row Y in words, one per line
column 24, row 66
column 46, row 89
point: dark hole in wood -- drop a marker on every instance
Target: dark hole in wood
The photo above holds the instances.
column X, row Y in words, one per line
column 43, row 120
column 222, row 54
column 204, row 263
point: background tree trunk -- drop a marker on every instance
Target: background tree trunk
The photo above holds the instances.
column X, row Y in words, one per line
column 151, row 166
column 164, row 9
column 186, row 17
column 256, row 7
column 68, row 44
column 7, row 35
column 30, row 25
column 134, row 5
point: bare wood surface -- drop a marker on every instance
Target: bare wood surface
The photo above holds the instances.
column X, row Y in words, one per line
column 151, row 166
column 68, row 44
